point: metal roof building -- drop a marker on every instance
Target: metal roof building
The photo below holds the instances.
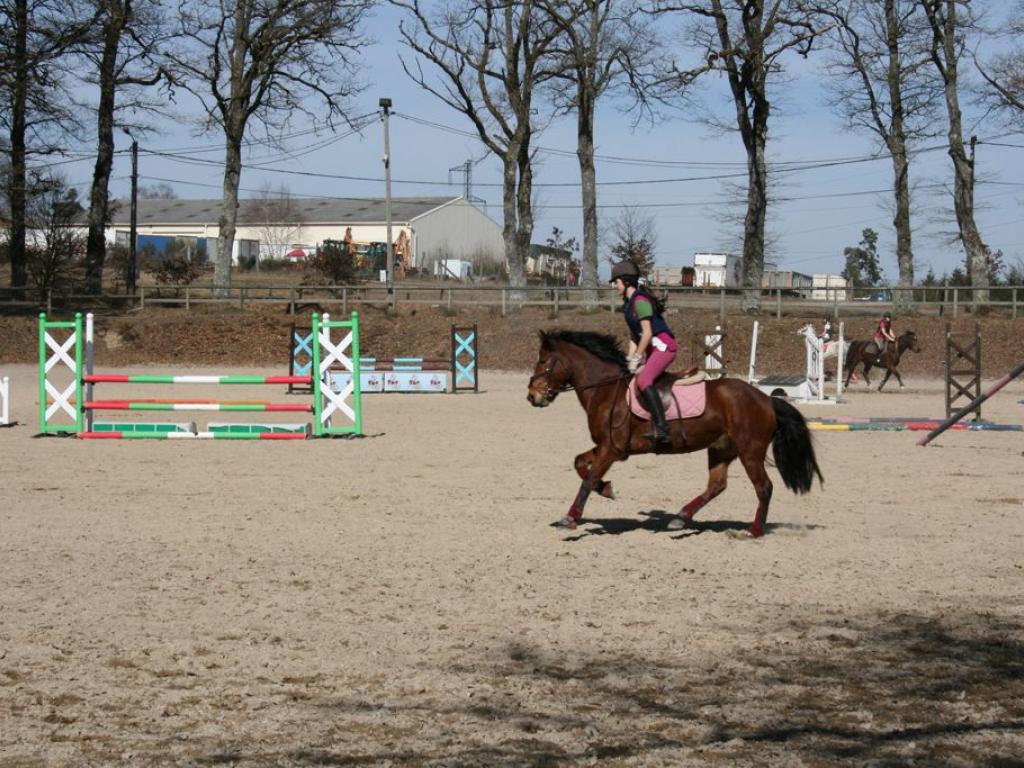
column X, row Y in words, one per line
column 436, row 227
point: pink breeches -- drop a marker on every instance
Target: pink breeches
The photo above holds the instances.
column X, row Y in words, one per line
column 657, row 361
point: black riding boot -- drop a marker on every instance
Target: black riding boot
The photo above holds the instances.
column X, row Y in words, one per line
column 659, row 429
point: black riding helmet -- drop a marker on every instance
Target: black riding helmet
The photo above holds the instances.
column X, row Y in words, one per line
column 624, row 268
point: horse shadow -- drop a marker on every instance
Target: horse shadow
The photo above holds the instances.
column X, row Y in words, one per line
column 657, row 521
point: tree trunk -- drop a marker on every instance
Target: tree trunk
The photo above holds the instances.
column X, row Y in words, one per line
column 901, row 221
column 228, row 214
column 96, row 242
column 588, row 180
column 524, row 205
column 17, row 192
column 513, row 261
column 897, row 143
column 754, row 221
column 963, row 166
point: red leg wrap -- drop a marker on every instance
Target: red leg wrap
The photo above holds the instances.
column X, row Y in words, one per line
column 691, row 509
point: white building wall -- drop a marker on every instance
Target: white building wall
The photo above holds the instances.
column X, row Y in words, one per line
column 829, row 287
column 457, row 230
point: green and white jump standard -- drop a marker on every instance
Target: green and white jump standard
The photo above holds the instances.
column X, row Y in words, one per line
column 75, row 401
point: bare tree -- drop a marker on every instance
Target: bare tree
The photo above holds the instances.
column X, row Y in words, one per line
column 54, row 251
column 491, row 56
column 37, row 112
column 633, row 235
column 602, row 46
column 881, row 57
column 745, row 40
column 254, row 63
column 278, row 218
column 1004, row 72
column 159, row 191
column 121, row 63
column 949, row 21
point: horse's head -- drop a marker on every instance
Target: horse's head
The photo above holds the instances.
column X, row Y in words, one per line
column 908, row 340
column 807, row 330
column 571, row 359
column 551, row 375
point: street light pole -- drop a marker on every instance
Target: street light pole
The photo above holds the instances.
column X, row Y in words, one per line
column 385, row 104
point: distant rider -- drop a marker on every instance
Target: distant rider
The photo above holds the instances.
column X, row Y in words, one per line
column 826, row 332
column 884, row 335
column 652, row 347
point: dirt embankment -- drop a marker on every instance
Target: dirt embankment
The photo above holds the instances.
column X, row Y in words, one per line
column 259, row 337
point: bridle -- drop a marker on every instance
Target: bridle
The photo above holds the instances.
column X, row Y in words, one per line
column 550, row 392
column 549, row 370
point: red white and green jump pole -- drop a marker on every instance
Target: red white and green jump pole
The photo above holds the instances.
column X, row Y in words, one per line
column 999, row 384
column 69, row 340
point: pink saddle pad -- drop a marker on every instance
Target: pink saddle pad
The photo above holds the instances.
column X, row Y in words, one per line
column 687, row 401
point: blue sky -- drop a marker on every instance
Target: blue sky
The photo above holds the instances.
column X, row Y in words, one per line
column 826, row 212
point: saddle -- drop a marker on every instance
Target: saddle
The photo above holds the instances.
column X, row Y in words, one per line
column 683, row 395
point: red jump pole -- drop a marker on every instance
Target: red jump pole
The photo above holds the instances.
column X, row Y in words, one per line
column 999, row 384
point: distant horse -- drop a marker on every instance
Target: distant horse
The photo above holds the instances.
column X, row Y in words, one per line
column 738, row 421
column 831, row 347
column 866, row 353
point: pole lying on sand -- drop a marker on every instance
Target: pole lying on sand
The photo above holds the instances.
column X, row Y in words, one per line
column 972, row 405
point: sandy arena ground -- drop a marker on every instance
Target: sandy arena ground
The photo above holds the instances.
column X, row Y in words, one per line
column 401, row 600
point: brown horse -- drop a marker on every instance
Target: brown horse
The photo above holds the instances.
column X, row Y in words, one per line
column 739, row 421
column 866, row 353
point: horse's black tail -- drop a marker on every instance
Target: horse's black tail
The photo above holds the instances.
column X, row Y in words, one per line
column 793, row 449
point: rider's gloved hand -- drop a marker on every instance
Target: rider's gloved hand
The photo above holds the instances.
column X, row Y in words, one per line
column 634, row 362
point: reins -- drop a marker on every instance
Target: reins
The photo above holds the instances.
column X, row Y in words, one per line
column 617, row 380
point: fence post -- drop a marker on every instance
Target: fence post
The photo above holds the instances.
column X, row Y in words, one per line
column 188, row 298
column 291, row 304
column 1013, row 301
column 835, row 302
column 721, row 305
column 142, row 296
column 611, row 302
column 344, row 301
column 956, row 301
column 556, row 301
column 49, row 301
column 502, row 302
column 449, row 299
column 778, row 303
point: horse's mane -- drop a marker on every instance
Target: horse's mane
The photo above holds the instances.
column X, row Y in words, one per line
column 599, row 344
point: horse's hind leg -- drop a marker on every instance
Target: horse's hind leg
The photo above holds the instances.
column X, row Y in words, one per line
column 753, row 461
column 583, row 463
column 720, row 455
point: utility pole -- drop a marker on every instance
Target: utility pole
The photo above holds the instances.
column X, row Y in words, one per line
column 385, row 104
column 133, row 229
column 466, row 169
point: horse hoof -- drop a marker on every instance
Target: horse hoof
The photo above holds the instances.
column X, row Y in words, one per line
column 568, row 522
column 607, row 492
column 679, row 523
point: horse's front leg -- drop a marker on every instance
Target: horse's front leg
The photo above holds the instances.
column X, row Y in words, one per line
column 582, row 463
column 602, row 460
column 888, row 373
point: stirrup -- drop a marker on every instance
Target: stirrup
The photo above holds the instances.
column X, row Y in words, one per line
column 658, row 437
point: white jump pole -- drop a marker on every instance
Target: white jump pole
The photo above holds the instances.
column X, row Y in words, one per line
column 753, row 355
column 5, row 396
column 840, row 359
column 89, row 414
